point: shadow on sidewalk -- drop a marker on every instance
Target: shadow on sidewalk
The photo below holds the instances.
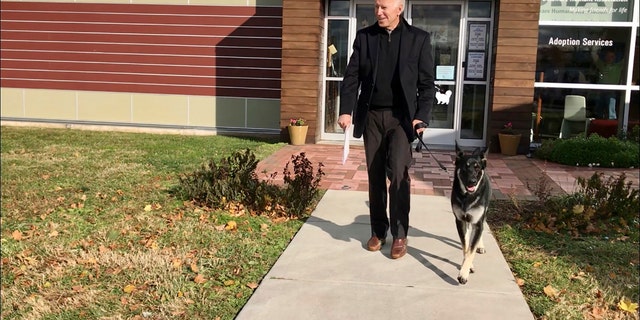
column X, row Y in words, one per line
column 348, row 233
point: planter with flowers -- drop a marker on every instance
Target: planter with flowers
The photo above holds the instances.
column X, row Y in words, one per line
column 509, row 140
column 298, row 131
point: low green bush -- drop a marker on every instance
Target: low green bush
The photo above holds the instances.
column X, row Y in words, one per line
column 233, row 182
column 591, row 151
column 598, row 206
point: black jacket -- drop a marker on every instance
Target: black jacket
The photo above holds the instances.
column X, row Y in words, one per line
column 416, row 71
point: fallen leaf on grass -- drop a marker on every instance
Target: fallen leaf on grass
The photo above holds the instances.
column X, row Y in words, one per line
column 537, row 264
column 229, row 283
column 231, row 225
column 627, row 305
column 520, row 282
column 147, row 208
column 17, row 235
column 578, row 276
column 550, row 291
column 176, row 263
column 129, row 288
column 622, row 238
column 597, row 312
column 252, row 285
column 199, row 279
column 599, row 294
column 578, row 209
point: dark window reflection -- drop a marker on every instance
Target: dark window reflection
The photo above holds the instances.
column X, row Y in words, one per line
column 595, row 55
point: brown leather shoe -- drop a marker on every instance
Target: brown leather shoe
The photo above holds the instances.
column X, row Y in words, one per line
column 398, row 248
column 375, row 243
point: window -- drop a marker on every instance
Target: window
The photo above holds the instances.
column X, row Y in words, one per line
column 585, row 48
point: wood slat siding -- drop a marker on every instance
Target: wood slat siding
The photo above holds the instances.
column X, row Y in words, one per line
column 173, row 49
column 301, row 65
column 515, row 64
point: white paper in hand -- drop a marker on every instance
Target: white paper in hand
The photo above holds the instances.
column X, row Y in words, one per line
column 345, row 149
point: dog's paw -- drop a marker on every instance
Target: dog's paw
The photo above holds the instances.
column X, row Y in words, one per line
column 462, row 280
column 481, row 250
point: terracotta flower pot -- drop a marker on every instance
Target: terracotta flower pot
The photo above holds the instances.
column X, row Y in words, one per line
column 509, row 143
column 298, row 135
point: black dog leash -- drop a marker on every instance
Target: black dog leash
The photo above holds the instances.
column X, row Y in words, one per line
column 422, row 144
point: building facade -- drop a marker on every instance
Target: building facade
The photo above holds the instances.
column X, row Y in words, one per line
column 247, row 67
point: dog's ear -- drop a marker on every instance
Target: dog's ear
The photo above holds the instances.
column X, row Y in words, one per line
column 483, row 160
column 459, row 152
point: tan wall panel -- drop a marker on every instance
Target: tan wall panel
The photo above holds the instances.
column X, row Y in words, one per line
column 104, row 106
column 230, row 112
column 183, row 2
column 523, row 75
column 159, row 109
column 11, row 102
column 202, row 111
column 92, row 1
column 50, row 104
column 263, row 113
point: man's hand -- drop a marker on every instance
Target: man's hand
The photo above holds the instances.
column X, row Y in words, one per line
column 344, row 121
column 419, row 130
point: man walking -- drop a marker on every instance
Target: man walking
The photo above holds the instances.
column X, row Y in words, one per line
column 392, row 68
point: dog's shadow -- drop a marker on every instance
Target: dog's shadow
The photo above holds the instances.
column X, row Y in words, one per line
column 349, row 233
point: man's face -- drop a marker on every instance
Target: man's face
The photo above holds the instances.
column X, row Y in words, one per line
column 388, row 13
column 610, row 57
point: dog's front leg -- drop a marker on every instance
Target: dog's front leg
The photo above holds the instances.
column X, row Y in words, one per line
column 467, row 267
column 480, row 248
column 474, row 239
column 464, row 231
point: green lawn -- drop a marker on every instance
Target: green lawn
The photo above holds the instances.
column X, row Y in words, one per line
column 91, row 230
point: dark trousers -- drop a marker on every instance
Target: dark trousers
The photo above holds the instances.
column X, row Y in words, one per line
column 388, row 154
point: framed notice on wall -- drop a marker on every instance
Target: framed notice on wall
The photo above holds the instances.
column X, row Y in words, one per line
column 477, row 36
column 475, row 65
column 477, row 51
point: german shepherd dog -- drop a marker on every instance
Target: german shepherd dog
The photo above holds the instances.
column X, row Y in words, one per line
column 470, row 198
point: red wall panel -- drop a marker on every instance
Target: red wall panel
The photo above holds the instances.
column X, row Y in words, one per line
column 191, row 50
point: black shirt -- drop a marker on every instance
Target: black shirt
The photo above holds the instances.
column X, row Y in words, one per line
column 387, row 91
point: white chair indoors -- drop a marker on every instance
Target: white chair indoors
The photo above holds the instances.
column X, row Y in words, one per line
column 575, row 110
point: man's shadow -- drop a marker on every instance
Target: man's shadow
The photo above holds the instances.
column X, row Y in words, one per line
column 347, row 233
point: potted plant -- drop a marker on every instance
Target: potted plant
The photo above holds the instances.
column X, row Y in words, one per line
column 297, row 131
column 509, row 140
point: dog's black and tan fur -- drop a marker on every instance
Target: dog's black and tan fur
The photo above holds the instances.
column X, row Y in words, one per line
column 470, row 198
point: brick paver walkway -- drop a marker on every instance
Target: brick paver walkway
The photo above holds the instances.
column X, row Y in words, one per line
column 511, row 176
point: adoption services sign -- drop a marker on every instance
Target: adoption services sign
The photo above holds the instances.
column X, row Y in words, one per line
column 580, row 42
column 585, row 10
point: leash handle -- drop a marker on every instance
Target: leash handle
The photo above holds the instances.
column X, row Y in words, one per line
column 422, row 144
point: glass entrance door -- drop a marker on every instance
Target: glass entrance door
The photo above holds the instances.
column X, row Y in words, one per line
column 460, row 36
column 444, row 22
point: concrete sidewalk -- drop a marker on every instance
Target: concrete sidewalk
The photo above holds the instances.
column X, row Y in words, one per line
column 327, row 273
